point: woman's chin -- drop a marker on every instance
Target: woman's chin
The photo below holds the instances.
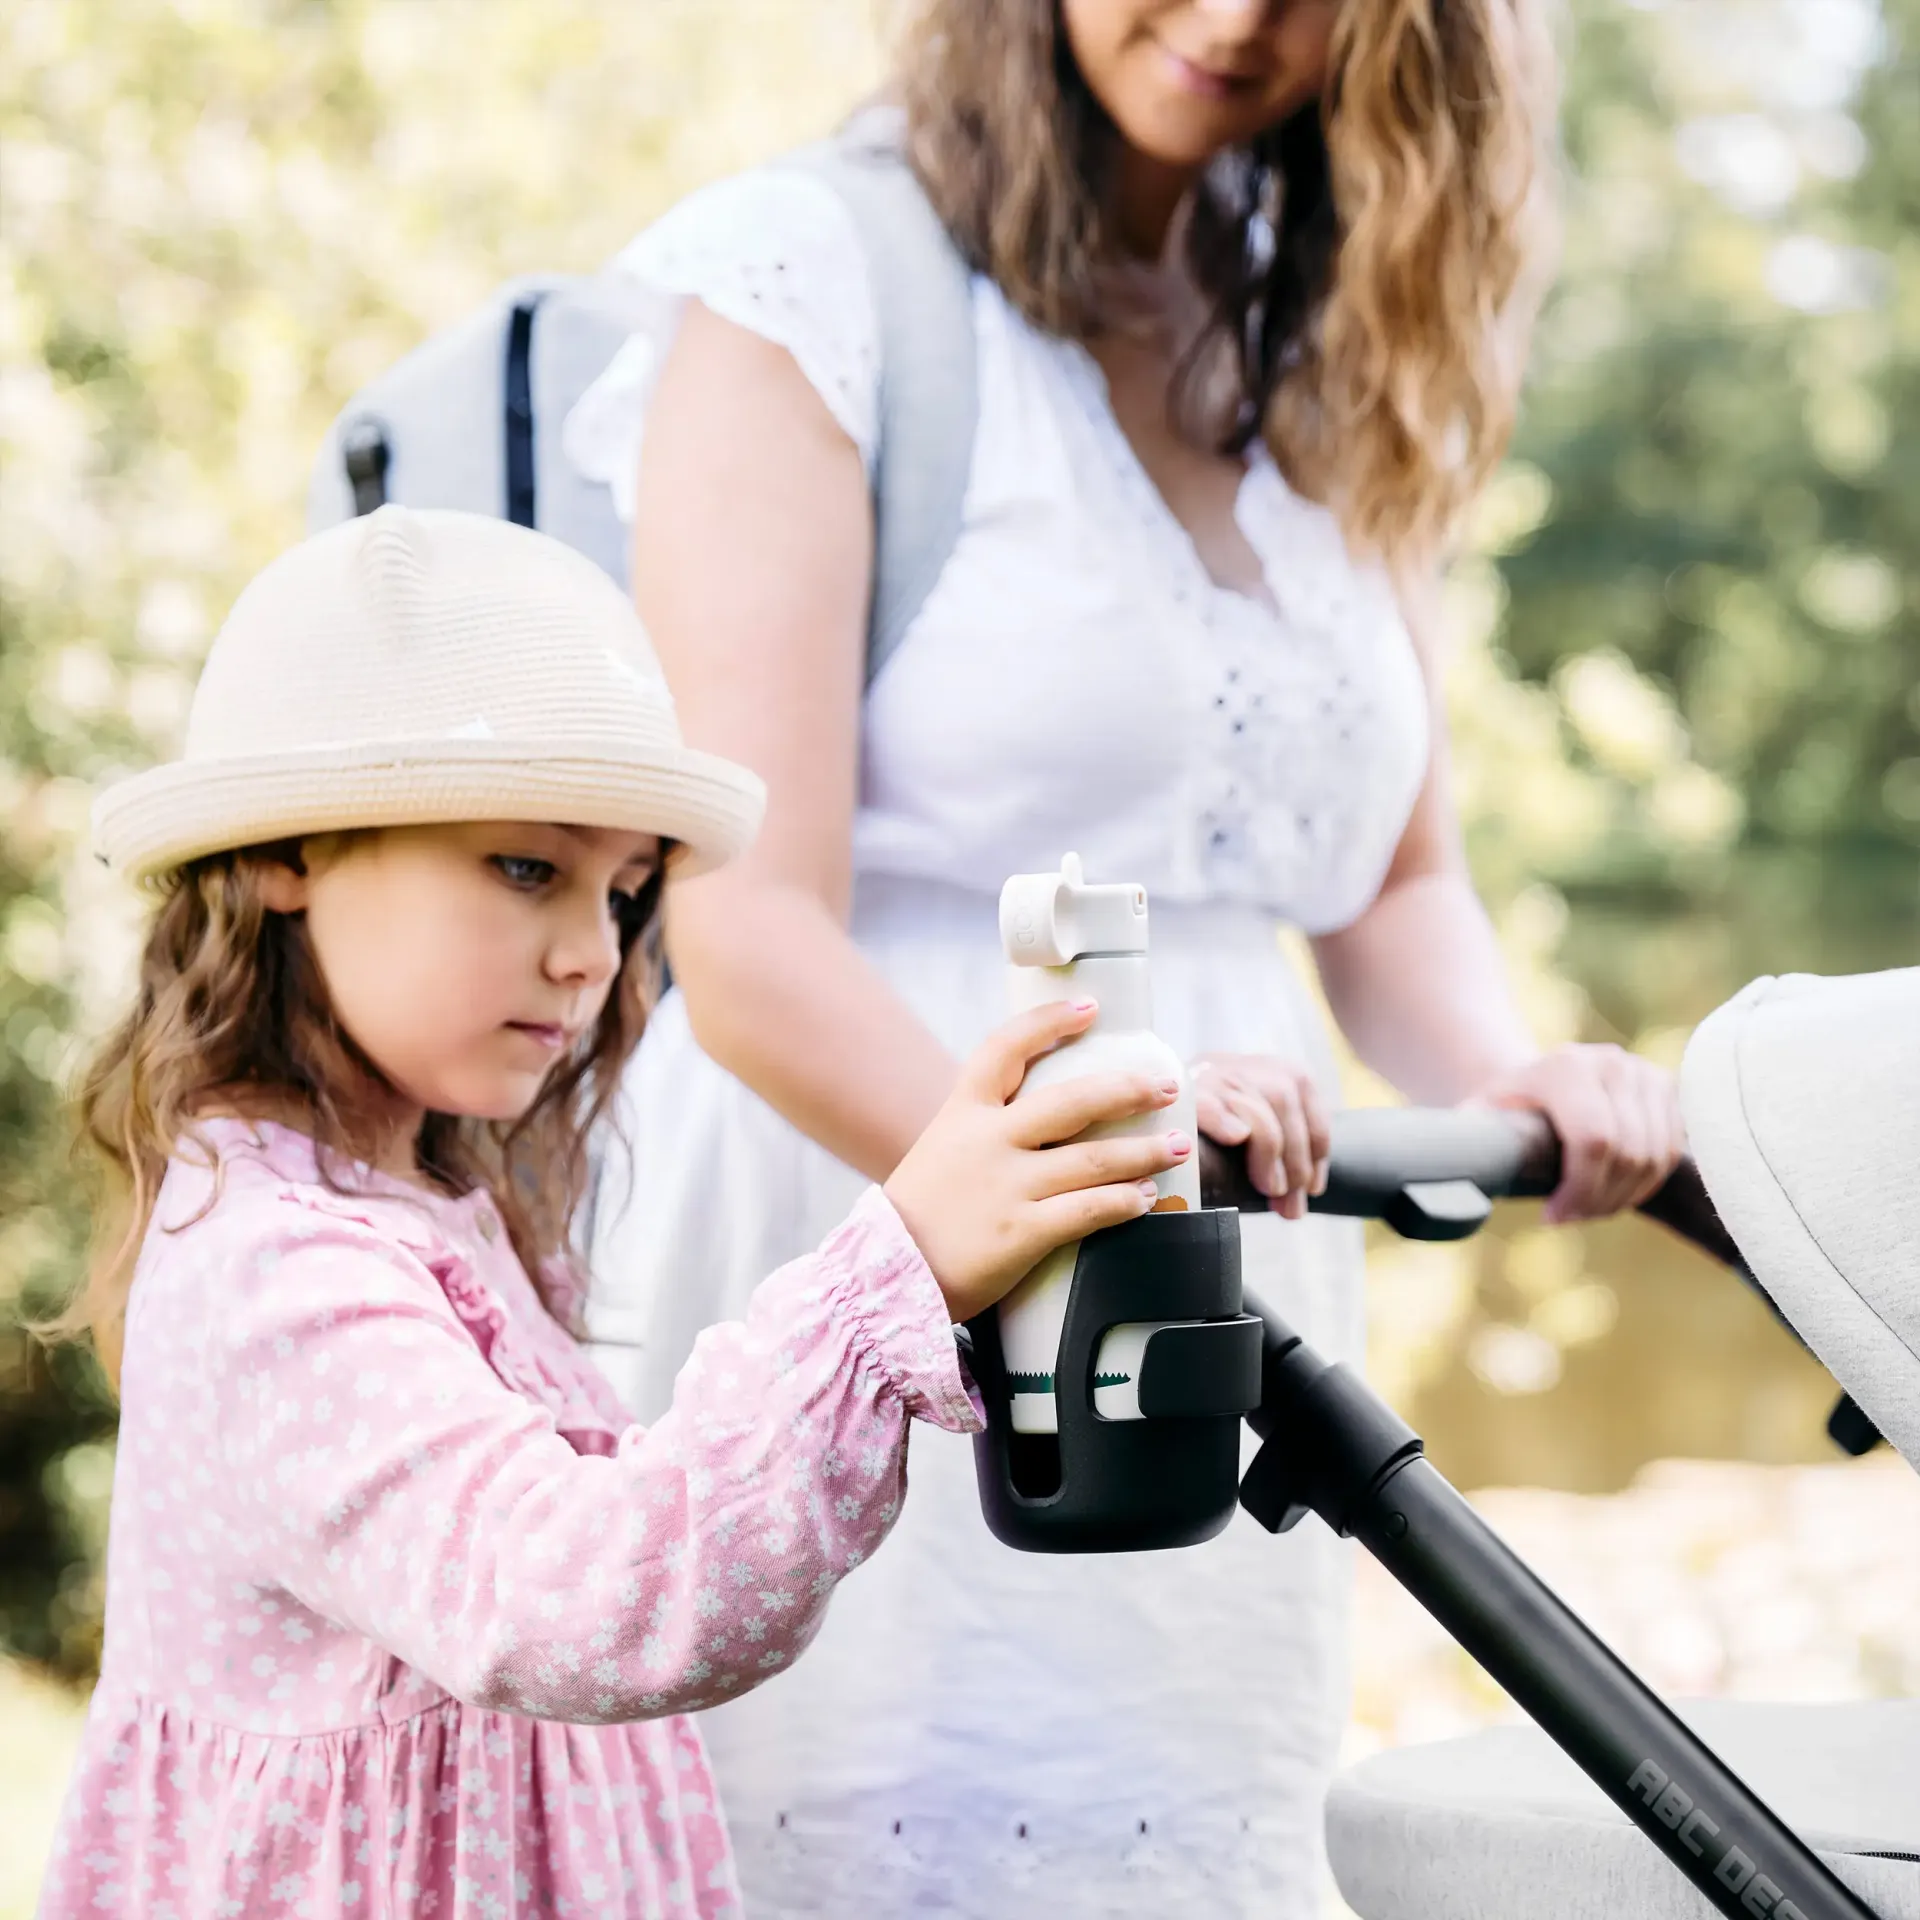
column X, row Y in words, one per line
column 1175, row 133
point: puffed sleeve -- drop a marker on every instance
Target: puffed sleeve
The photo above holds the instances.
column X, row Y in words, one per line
column 775, row 251
column 377, row 1468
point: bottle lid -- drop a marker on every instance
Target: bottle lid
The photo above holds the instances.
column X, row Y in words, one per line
column 1050, row 919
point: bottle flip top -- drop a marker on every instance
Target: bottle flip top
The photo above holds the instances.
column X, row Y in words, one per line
column 1054, row 919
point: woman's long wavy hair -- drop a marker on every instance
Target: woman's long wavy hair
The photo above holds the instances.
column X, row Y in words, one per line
column 1372, row 264
column 232, row 1015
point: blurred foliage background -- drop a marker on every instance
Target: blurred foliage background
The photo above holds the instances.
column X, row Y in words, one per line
column 1687, row 669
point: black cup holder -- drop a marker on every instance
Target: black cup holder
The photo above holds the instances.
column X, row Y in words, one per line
column 1169, row 1479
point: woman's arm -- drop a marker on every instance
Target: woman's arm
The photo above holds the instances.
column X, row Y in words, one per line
column 1440, row 1026
column 753, row 561
column 1420, row 989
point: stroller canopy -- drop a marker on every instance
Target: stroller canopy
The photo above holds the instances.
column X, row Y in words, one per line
column 1802, row 1100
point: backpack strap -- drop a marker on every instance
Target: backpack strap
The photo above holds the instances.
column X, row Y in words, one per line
column 472, row 417
column 929, row 400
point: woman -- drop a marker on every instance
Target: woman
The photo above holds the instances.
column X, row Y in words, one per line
column 1251, row 276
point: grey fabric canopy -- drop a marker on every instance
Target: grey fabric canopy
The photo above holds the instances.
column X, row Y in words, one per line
column 1802, row 1099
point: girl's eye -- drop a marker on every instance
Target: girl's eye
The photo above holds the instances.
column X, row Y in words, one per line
column 522, row 870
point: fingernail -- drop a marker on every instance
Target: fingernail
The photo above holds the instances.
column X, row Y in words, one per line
column 1083, row 1006
column 1150, row 1188
column 1169, row 1087
column 1179, row 1145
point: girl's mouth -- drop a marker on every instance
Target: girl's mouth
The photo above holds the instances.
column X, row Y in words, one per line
column 545, row 1033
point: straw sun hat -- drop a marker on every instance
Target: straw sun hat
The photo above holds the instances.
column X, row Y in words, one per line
column 417, row 667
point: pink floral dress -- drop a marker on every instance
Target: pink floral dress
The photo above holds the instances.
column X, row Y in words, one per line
column 403, row 1614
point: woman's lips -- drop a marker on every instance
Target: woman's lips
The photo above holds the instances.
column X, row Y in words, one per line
column 1210, row 83
column 544, row 1033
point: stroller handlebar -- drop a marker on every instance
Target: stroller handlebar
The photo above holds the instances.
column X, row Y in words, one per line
column 1433, row 1173
column 1381, row 1155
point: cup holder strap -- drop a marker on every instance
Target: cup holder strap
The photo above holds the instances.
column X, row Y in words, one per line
column 1200, row 1369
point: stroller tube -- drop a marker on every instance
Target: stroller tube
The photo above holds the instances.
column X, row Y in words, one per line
column 1639, row 1753
column 1334, row 1449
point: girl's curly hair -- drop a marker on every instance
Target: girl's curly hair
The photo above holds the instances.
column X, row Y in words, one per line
column 232, row 1015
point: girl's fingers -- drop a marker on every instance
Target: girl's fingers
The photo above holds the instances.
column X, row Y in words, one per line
column 1102, row 1163
column 1072, row 1216
column 1278, row 1163
column 1675, row 1120
column 1058, row 1113
column 995, row 1069
column 1648, row 1137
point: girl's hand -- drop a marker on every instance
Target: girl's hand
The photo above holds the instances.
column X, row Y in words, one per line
column 1618, row 1118
column 1275, row 1109
column 988, row 1190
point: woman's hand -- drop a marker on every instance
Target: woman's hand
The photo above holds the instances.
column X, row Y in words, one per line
column 988, row 1189
column 1274, row 1108
column 1618, row 1118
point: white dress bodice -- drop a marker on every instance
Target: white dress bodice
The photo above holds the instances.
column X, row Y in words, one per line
column 1075, row 679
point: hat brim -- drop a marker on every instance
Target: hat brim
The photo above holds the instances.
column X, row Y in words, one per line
column 149, row 825
column 1802, row 1101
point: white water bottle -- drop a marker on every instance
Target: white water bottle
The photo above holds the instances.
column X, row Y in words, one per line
column 1066, row 940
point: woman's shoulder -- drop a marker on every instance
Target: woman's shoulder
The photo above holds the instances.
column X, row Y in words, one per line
column 774, row 250
column 774, row 218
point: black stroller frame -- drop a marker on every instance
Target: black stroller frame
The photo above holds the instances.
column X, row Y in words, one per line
column 1333, row 1448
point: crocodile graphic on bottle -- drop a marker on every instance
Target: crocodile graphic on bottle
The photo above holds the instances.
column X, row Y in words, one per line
column 1066, row 939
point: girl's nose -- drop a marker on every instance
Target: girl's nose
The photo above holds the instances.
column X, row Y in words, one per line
column 585, row 948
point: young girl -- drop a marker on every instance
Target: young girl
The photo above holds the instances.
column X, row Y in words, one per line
column 402, row 1612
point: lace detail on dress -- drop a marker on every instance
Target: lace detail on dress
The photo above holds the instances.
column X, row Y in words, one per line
column 1300, row 705
column 1314, row 742
column 774, row 251
column 1283, row 745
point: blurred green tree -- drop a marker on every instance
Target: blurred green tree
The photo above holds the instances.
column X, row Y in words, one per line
column 1723, row 585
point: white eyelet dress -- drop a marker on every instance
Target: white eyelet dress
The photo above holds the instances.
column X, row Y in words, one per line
column 980, row 1732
